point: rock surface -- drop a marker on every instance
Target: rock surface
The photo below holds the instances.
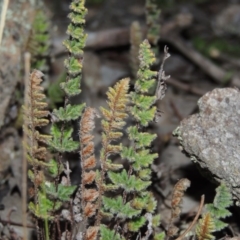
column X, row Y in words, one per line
column 19, row 17
column 212, row 136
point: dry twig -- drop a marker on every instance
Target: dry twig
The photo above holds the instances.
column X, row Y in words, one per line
column 3, row 18
column 194, row 220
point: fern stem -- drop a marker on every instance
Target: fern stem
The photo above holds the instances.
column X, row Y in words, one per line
column 27, row 58
column 33, row 143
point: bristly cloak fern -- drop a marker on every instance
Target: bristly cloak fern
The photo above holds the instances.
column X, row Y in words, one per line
column 34, row 150
column 61, row 129
column 62, row 140
column 217, row 210
column 139, row 155
column 112, row 125
column 84, row 201
column 136, row 39
column 38, row 43
column 47, row 198
column 152, row 18
column 135, row 206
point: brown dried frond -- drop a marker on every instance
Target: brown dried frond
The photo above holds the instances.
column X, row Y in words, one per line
column 31, row 192
column 89, row 210
column 89, row 177
column 90, row 195
column 135, row 40
column 87, row 122
column 172, row 231
column 42, row 137
column 85, row 195
column 90, row 162
column 34, row 117
column 178, row 192
column 87, row 146
column 40, row 153
column 88, row 150
column 205, row 227
column 91, row 233
column 34, row 104
column 117, row 101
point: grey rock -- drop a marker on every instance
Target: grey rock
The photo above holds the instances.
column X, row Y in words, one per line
column 20, row 15
column 212, row 137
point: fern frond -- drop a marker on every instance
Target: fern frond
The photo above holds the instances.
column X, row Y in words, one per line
column 177, row 195
column 205, row 228
column 223, row 197
column 136, row 180
column 39, row 41
column 36, row 154
column 112, row 123
column 178, row 192
column 152, row 17
column 135, row 40
column 86, row 195
column 35, row 117
column 91, row 233
column 114, row 117
column 75, row 45
column 107, row 234
column 218, row 210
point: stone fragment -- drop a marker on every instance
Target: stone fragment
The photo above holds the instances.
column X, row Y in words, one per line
column 212, row 137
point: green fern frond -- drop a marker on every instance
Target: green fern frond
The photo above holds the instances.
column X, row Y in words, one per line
column 44, row 206
column 218, row 210
column 39, row 41
column 137, row 180
column 117, row 207
column 136, row 224
column 223, row 197
column 159, row 236
column 70, row 112
column 107, row 234
column 152, row 17
column 62, row 141
column 129, row 184
column 135, row 40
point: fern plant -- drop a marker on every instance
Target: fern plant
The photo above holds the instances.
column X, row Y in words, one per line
column 35, row 153
column 152, row 19
column 212, row 220
column 128, row 210
column 61, row 129
column 115, row 201
column 51, row 194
